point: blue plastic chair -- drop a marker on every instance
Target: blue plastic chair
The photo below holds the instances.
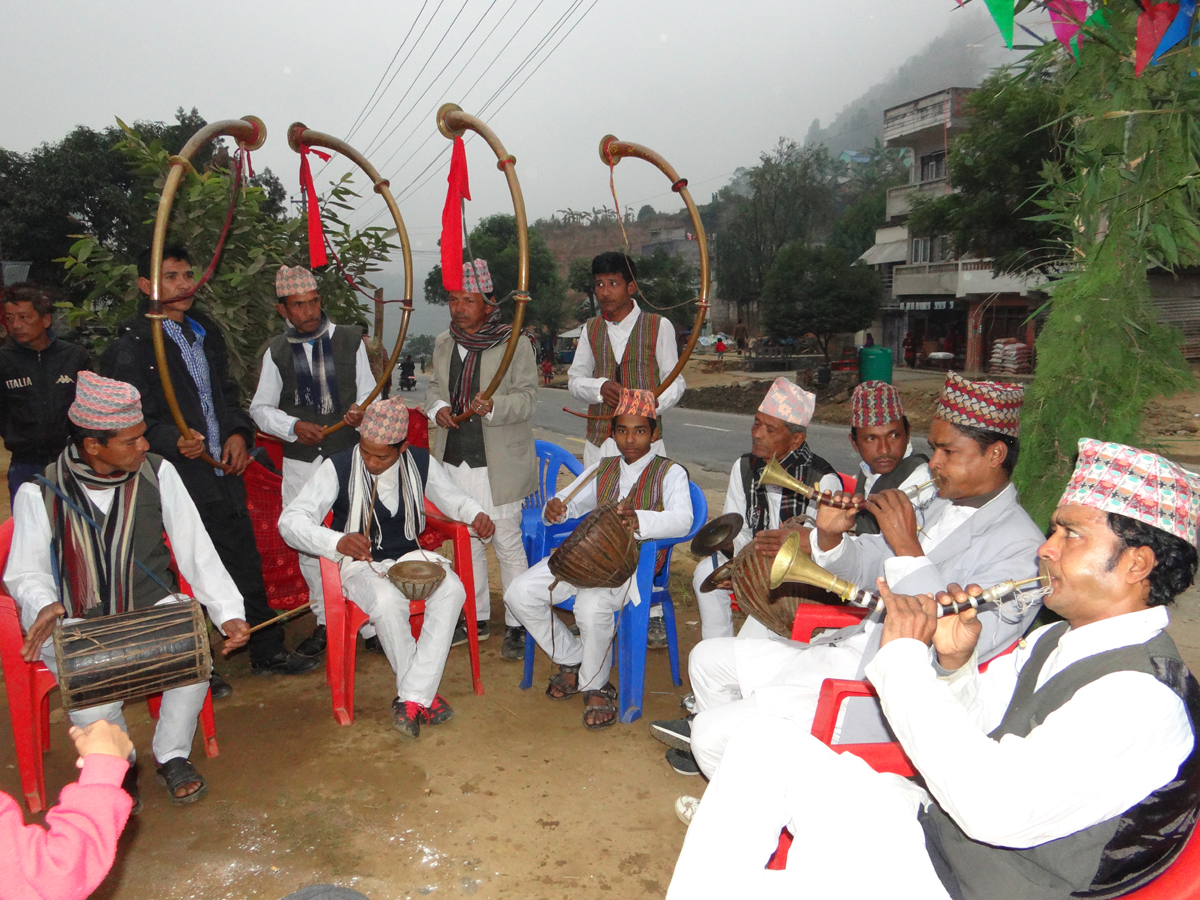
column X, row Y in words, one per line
column 633, row 621
column 551, row 459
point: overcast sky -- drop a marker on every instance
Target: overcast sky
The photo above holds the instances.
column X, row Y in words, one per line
column 709, row 85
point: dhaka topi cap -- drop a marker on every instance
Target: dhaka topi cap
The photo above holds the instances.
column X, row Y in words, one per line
column 385, row 422
column 476, row 277
column 790, row 402
column 1136, row 483
column 981, row 404
column 637, row 403
column 293, row 280
column 103, row 404
column 875, row 403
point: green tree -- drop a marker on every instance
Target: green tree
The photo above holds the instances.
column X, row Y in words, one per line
column 668, row 285
column 645, row 212
column 1017, row 127
column 580, row 278
column 418, row 344
column 815, row 290
column 863, row 203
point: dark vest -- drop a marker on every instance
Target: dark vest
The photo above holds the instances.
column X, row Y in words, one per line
column 817, row 469
column 345, row 341
column 864, row 522
column 149, row 544
column 1109, row 859
column 637, row 369
column 394, row 544
column 464, row 443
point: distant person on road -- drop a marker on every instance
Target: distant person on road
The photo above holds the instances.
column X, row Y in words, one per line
column 721, row 348
column 547, row 371
column 910, row 350
column 870, row 340
column 740, row 335
column 37, row 383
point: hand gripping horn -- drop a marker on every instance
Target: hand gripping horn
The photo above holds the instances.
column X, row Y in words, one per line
column 249, row 132
column 452, row 122
column 299, row 135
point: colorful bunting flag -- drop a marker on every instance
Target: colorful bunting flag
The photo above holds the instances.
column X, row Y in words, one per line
column 1003, row 11
column 1180, row 26
column 1067, row 17
column 1151, row 26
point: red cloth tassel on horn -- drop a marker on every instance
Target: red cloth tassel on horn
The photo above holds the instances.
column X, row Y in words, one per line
column 452, row 223
column 316, row 233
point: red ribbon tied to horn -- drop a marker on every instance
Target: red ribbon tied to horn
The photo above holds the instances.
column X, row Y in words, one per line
column 452, row 223
column 316, row 233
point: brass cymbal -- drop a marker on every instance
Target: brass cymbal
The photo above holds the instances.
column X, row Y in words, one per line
column 717, row 535
column 722, row 573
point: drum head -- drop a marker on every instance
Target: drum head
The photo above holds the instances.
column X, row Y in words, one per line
column 415, row 571
column 717, row 534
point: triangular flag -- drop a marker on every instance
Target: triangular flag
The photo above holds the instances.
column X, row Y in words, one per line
column 1067, row 16
column 1003, row 11
column 1180, row 26
column 452, row 223
column 1151, row 26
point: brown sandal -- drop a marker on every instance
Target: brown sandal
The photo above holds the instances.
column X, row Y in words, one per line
column 608, row 708
column 559, row 683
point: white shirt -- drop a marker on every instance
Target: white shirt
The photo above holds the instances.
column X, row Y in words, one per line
column 737, row 502
column 29, row 575
column 440, row 404
column 264, row 408
column 301, row 526
column 1116, row 741
column 585, row 387
column 674, row 521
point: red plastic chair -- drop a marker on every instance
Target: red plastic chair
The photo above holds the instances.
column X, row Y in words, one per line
column 29, row 685
column 286, row 587
column 343, row 618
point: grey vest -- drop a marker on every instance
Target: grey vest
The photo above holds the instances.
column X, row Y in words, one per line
column 345, row 341
column 864, row 522
column 1109, row 859
column 464, row 443
column 149, row 544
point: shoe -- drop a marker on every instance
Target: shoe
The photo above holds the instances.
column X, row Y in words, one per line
column 406, row 717
column 675, row 733
column 438, row 711
column 514, row 643
column 483, row 629
column 285, row 663
column 314, row 644
column 219, row 686
column 685, row 808
column 682, row 762
column 129, row 784
column 689, row 704
column 656, row 634
column 372, row 645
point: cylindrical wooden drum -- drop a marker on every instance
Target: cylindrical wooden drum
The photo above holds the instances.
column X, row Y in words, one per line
column 416, row 579
column 601, row 552
column 751, row 578
column 132, row 655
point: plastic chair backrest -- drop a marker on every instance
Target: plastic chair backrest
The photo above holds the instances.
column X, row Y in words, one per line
column 699, row 517
column 551, row 459
column 10, row 619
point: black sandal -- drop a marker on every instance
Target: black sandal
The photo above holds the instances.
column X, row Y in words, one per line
column 609, row 707
column 177, row 773
column 129, row 784
column 559, row 681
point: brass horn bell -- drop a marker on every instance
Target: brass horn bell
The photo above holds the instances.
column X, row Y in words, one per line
column 792, row 564
column 774, row 473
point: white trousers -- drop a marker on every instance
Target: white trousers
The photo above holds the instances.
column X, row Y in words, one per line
column 529, row 600
column 856, row 831
column 507, row 542
column 418, row 664
column 296, row 474
column 176, row 717
column 736, row 679
column 716, row 616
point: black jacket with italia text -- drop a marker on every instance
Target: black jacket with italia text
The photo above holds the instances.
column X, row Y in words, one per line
column 36, row 388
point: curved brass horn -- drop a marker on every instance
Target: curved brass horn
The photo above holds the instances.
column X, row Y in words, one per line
column 300, row 134
column 250, row 133
column 612, row 151
column 452, row 122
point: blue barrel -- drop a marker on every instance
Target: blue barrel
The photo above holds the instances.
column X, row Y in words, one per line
column 875, row 364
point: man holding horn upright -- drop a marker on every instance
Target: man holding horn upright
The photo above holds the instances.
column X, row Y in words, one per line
column 490, row 454
column 313, row 375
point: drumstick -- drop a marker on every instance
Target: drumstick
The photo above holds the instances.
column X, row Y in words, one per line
column 283, row 617
column 579, row 487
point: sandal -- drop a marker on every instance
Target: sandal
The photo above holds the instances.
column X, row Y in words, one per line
column 607, row 710
column 559, row 683
column 129, row 784
column 179, row 773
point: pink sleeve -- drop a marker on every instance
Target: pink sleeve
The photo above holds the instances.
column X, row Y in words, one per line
column 68, row 858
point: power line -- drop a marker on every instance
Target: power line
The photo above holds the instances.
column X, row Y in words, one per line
column 354, row 124
column 528, row 56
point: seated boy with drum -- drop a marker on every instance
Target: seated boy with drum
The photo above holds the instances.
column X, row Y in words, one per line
column 376, row 492
column 88, row 541
column 646, row 493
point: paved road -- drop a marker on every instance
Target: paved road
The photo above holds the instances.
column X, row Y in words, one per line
column 710, row 440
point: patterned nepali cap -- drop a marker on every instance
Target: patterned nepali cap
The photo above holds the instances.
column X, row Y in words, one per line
column 103, row 404
column 1135, row 483
column 875, row 403
column 476, row 277
column 981, row 404
column 790, row 402
column 385, row 422
column 293, row 280
column 637, row 403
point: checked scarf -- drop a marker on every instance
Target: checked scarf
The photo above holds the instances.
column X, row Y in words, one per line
column 316, row 387
column 362, row 494
column 797, row 463
column 91, row 573
column 197, row 365
column 491, row 334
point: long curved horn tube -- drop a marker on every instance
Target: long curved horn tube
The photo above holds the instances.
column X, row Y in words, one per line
column 612, row 151
column 250, row 133
column 452, row 122
column 300, row 134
